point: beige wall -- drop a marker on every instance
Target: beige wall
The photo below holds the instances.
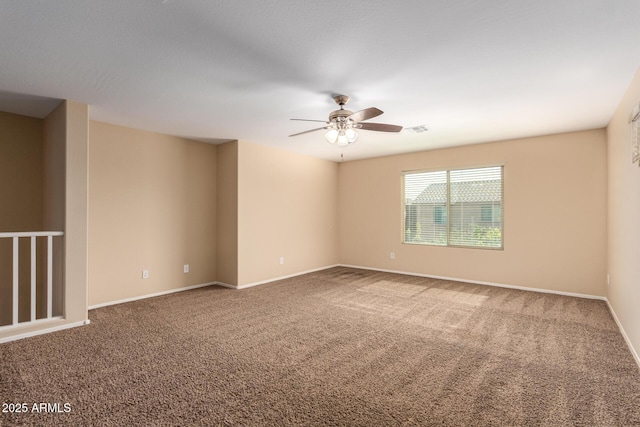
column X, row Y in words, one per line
column 260, row 203
column 287, row 207
column 20, row 173
column 227, row 214
column 554, row 214
column 624, row 218
column 76, row 211
column 55, row 176
column 21, row 196
column 152, row 205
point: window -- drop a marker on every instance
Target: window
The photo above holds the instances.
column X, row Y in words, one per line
column 635, row 135
column 454, row 207
column 440, row 215
column 410, row 217
column 490, row 213
column 486, row 213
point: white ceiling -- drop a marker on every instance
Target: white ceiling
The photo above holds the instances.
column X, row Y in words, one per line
column 471, row 70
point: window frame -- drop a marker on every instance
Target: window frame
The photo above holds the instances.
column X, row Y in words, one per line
column 448, row 207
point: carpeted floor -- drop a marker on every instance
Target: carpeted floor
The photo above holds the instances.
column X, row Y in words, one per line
column 337, row 347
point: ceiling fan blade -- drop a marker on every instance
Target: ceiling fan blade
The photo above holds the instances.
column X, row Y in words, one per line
column 380, row 127
column 307, row 120
column 309, row 131
column 366, row 114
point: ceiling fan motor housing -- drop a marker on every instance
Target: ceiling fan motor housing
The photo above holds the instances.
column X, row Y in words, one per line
column 339, row 115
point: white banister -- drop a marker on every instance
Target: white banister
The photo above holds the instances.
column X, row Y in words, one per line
column 15, row 236
column 33, row 278
column 49, row 275
column 32, row 233
column 15, row 279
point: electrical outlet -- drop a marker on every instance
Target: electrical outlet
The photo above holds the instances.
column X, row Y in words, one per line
column 392, row 255
column 186, row 268
column 281, row 260
column 145, row 274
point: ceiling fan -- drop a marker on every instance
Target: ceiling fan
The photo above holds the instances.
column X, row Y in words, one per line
column 342, row 124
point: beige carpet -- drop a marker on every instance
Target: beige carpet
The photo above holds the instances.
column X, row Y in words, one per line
column 338, row 347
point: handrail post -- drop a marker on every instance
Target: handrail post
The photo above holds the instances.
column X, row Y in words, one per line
column 49, row 275
column 33, row 278
column 15, row 280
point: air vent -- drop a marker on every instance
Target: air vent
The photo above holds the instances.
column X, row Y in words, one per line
column 418, row 129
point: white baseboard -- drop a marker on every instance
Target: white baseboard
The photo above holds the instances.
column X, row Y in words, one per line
column 24, row 325
column 226, row 285
column 188, row 288
column 44, row 331
column 275, row 279
column 155, row 294
column 477, row 282
column 634, row 353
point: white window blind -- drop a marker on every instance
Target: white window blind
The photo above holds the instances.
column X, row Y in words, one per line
column 456, row 207
column 426, row 208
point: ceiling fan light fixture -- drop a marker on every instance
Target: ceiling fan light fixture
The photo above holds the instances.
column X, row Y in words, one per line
column 332, row 136
column 341, row 136
column 342, row 139
column 351, row 135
